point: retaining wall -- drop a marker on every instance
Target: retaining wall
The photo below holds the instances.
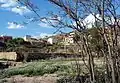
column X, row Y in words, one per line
column 8, row 55
column 26, row 56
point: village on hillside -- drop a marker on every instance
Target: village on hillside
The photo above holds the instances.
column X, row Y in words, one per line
column 59, row 41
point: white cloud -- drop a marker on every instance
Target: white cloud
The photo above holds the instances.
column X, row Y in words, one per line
column 8, row 3
column 45, row 25
column 13, row 6
column 20, row 10
column 12, row 25
column 42, row 35
column 54, row 20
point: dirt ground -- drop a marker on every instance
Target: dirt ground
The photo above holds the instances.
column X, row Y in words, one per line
column 34, row 79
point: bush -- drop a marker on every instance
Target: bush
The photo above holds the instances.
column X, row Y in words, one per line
column 37, row 68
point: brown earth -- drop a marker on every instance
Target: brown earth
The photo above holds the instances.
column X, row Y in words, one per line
column 34, row 79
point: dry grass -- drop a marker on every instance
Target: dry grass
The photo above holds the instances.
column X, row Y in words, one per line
column 40, row 69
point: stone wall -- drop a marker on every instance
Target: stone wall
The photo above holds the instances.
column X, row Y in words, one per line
column 38, row 56
column 26, row 56
column 8, row 55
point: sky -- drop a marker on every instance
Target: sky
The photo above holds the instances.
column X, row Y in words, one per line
column 12, row 16
column 13, row 21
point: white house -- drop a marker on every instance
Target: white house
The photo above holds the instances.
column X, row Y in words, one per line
column 27, row 37
column 68, row 40
column 90, row 20
column 50, row 40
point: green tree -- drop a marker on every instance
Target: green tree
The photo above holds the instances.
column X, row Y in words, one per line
column 14, row 44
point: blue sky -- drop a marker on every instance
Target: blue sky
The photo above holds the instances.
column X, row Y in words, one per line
column 12, row 17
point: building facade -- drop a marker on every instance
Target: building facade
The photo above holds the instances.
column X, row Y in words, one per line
column 5, row 38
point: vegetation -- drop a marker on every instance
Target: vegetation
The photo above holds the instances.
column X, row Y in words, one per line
column 39, row 68
column 14, row 44
column 19, row 45
column 64, row 69
column 75, row 11
column 104, row 40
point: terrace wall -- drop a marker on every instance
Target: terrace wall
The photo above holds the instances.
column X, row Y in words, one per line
column 8, row 55
column 33, row 56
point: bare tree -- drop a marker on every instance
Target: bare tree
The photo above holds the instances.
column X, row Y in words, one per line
column 72, row 14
